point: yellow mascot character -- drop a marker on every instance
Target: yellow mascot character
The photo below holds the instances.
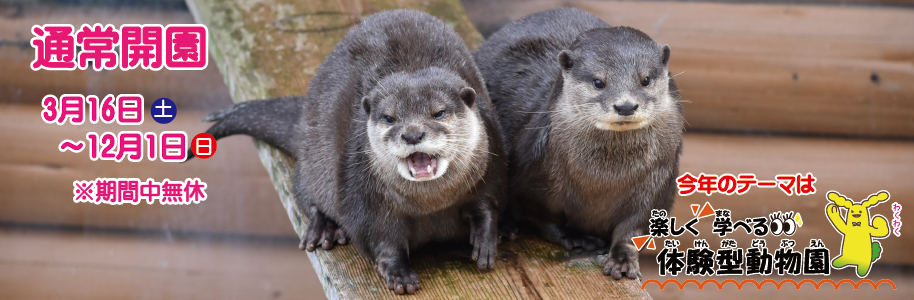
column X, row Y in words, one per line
column 857, row 246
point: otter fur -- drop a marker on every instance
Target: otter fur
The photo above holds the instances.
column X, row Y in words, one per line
column 593, row 126
column 396, row 144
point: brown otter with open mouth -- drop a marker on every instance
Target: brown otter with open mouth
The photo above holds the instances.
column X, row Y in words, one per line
column 396, row 144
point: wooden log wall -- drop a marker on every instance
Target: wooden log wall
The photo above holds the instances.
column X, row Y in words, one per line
column 827, row 89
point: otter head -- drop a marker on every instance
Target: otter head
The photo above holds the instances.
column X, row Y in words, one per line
column 423, row 125
column 615, row 79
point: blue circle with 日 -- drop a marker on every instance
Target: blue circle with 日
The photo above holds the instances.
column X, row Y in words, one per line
column 164, row 110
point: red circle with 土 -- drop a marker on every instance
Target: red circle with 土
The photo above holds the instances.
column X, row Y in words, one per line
column 203, row 145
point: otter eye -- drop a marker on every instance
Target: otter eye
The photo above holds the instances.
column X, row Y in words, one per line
column 599, row 84
column 439, row 115
column 388, row 119
column 646, row 81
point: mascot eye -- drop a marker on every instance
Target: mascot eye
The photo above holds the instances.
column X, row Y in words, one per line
column 388, row 119
column 646, row 81
column 790, row 227
column 599, row 84
column 776, row 226
column 439, row 115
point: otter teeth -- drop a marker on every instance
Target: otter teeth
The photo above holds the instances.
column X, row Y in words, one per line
column 422, row 165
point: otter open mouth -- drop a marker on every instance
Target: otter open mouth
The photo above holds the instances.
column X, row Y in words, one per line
column 422, row 165
column 856, row 215
column 620, row 125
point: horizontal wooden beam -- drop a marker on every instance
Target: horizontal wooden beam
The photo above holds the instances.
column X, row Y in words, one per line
column 54, row 265
column 37, row 185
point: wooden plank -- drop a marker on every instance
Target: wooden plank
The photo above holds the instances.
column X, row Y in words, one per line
column 260, row 60
column 37, row 185
column 61, row 265
column 773, row 68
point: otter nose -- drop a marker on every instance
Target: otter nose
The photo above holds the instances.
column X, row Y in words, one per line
column 626, row 109
column 413, row 138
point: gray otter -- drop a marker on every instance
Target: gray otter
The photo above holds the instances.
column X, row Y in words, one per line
column 396, row 144
column 593, row 128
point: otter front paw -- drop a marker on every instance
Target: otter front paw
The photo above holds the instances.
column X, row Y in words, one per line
column 570, row 238
column 321, row 231
column 507, row 230
column 622, row 259
column 580, row 240
column 484, row 251
column 401, row 279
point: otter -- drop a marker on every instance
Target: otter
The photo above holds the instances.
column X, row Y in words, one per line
column 396, row 144
column 593, row 128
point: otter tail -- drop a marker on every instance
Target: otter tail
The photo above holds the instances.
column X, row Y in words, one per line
column 270, row 120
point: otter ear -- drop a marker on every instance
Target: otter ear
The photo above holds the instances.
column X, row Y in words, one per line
column 666, row 54
column 839, row 199
column 565, row 60
column 875, row 199
column 366, row 105
column 468, row 95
